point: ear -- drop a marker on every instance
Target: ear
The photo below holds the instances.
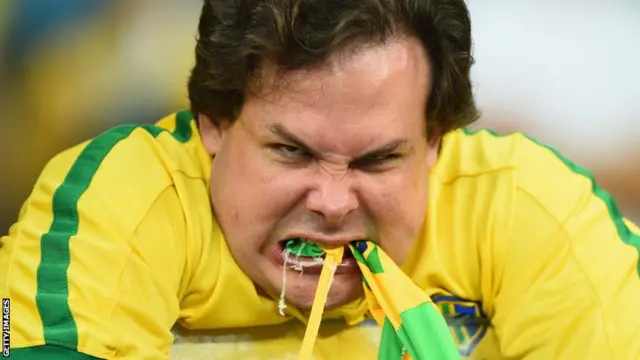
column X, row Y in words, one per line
column 212, row 133
column 433, row 145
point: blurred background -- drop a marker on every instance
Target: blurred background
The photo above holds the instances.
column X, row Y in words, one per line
column 563, row 71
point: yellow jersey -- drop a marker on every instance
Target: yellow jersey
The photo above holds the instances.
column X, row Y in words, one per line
column 116, row 255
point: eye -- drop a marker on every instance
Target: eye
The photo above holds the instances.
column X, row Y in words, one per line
column 384, row 158
column 288, row 150
column 375, row 160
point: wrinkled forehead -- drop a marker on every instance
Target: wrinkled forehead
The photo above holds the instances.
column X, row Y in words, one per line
column 354, row 100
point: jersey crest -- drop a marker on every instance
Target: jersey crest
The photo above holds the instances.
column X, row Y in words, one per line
column 467, row 322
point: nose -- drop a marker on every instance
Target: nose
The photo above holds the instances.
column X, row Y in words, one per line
column 333, row 199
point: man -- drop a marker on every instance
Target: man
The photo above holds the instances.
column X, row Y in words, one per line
column 329, row 124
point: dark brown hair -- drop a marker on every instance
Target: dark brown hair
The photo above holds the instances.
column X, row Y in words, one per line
column 235, row 36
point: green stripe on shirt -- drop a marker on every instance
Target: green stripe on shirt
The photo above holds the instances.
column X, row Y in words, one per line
column 52, row 293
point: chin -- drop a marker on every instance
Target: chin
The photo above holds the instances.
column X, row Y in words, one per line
column 301, row 290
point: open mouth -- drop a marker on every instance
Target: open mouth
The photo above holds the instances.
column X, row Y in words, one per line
column 301, row 247
column 307, row 257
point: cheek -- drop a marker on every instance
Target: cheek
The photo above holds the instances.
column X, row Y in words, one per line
column 398, row 207
column 255, row 184
column 404, row 190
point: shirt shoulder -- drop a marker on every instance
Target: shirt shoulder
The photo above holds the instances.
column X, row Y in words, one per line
column 130, row 198
column 473, row 194
column 520, row 162
column 122, row 172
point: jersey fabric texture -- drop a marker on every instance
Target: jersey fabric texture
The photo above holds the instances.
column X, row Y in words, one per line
column 524, row 255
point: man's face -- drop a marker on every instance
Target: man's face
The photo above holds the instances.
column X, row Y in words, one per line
column 331, row 154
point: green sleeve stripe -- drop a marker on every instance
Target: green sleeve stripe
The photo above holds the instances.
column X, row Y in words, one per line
column 52, row 284
column 52, row 287
column 48, row 352
column 182, row 131
column 626, row 235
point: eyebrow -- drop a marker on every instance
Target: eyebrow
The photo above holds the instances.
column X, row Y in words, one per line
column 284, row 134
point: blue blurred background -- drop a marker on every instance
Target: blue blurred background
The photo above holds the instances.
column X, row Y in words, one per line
column 564, row 71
